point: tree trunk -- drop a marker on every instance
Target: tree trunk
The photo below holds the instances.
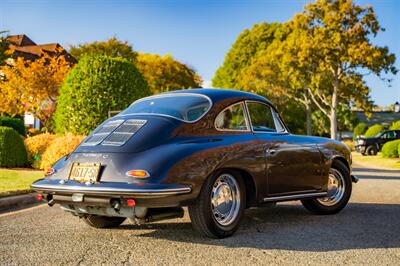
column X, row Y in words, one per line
column 309, row 119
column 333, row 115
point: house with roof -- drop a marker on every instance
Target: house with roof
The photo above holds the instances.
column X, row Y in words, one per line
column 22, row 46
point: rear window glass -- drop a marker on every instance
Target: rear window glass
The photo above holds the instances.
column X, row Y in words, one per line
column 188, row 108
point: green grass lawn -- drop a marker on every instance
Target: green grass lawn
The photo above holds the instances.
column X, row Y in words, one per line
column 17, row 181
column 377, row 161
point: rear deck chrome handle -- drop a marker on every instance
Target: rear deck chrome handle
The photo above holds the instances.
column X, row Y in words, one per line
column 271, row 151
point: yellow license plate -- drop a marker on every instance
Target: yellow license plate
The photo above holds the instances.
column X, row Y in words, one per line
column 85, row 172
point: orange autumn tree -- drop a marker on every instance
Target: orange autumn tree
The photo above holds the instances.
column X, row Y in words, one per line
column 33, row 86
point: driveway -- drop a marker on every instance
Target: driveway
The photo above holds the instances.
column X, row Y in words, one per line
column 367, row 231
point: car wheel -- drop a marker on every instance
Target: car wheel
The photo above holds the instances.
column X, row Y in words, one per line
column 220, row 205
column 371, row 150
column 103, row 221
column 339, row 191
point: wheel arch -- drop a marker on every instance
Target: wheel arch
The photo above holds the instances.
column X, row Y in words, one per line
column 343, row 160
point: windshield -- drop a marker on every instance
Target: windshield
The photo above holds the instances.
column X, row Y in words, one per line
column 185, row 107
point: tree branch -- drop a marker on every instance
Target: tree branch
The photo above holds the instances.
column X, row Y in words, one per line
column 318, row 104
column 323, row 99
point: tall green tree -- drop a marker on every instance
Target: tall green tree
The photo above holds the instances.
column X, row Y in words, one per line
column 111, row 47
column 276, row 71
column 164, row 73
column 334, row 39
column 239, row 57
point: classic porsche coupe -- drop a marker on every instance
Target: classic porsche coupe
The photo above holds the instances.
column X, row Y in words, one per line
column 215, row 151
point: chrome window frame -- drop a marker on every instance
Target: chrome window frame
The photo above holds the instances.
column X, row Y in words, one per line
column 275, row 116
column 246, row 119
column 171, row 95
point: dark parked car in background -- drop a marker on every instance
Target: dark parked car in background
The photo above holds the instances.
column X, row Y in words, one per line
column 216, row 151
column 371, row 146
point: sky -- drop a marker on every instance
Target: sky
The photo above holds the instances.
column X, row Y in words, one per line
column 198, row 33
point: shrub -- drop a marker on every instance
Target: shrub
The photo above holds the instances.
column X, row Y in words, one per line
column 374, row 130
column 395, row 126
column 349, row 144
column 12, row 148
column 359, row 130
column 398, row 150
column 58, row 148
column 96, row 85
column 15, row 123
column 36, row 146
column 391, row 149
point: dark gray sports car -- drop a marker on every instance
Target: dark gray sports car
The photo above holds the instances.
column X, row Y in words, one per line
column 216, row 151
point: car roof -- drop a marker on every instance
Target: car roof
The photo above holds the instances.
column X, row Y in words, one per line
column 217, row 94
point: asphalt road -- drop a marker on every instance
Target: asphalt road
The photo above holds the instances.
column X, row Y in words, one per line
column 367, row 231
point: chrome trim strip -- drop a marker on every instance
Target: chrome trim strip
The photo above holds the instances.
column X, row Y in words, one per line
column 104, row 191
column 295, row 197
column 162, row 95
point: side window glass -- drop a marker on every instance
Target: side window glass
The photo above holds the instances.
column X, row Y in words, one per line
column 278, row 122
column 232, row 118
column 262, row 118
column 390, row 135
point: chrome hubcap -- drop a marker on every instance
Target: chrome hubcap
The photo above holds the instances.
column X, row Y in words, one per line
column 225, row 199
column 336, row 188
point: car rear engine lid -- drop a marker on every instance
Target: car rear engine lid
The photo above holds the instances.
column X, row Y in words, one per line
column 114, row 133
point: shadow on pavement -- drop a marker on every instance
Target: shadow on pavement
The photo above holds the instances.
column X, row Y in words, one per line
column 291, row 227
column 371, row 173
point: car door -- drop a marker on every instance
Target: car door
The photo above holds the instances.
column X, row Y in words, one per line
column 387, row 136
column 293, row 163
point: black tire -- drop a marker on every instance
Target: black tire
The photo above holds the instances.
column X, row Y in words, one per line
column 201, row 213
column 371, row 150
column 103, row 221
column 317, row 207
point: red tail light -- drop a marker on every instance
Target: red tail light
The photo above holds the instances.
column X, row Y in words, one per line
column 50, row 171
column 131, row 202
column 39, row 197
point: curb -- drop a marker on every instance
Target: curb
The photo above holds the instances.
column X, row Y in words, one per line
column 17, row 201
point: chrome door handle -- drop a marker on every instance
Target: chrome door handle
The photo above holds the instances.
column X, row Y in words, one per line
column 271, row 151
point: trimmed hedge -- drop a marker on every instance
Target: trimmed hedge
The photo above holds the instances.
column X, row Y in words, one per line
column 395, row 125
column 391, row 149
column 96, row 85
column 36, row 146
column 15, row 123
column 374, row 130
column 12, row 148
column 359, row 130
column 59, row 147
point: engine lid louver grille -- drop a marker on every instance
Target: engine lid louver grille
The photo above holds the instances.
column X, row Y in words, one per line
column 115, row 133
column 124, row 132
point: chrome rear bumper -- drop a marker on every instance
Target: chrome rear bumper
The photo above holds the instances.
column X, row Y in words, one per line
column 110, row 189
